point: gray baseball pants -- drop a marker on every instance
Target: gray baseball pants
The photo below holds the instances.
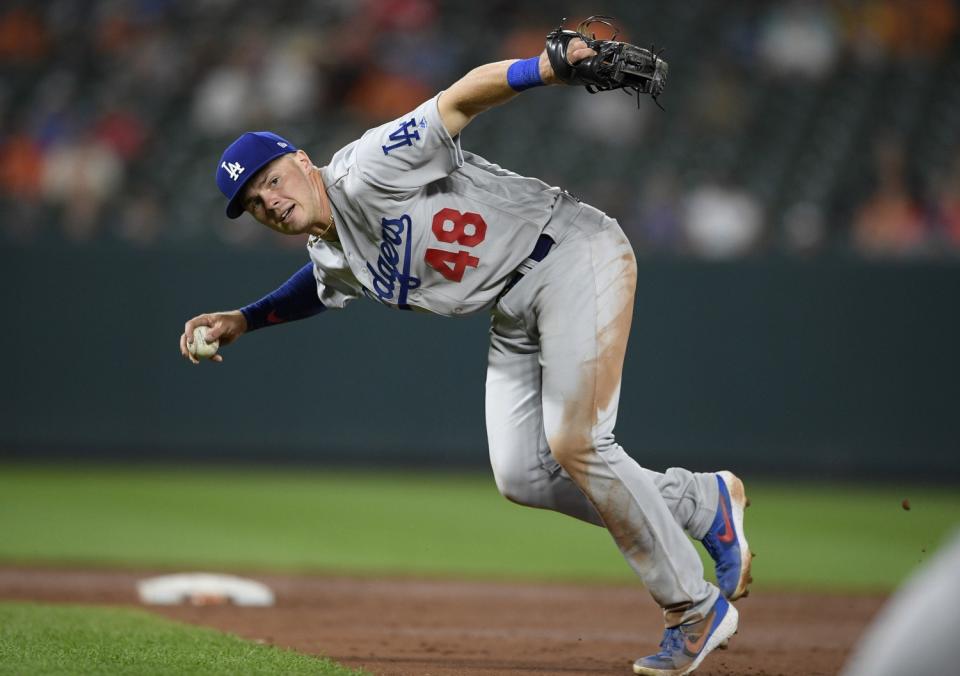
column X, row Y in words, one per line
column 557, row 345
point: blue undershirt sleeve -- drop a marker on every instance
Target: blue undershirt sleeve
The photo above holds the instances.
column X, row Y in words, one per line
column 295, row 299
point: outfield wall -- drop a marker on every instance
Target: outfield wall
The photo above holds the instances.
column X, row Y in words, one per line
column 822, row 366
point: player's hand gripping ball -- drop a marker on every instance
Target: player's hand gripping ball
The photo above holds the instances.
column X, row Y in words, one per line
column 199, row 347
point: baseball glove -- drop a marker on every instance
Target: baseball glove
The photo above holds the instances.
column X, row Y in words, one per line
column 617, row 65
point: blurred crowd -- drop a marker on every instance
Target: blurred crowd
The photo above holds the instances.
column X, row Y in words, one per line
column 796, row 126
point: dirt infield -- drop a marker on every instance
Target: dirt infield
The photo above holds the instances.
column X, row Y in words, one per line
column 422, row 627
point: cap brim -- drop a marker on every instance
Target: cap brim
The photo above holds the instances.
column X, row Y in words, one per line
column 234, row 209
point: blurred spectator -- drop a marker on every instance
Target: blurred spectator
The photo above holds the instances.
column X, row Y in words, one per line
column 140, row 221
column 222, row 101
column 379, row 96
column 875, row 28
column 524, row 39
column 288, row 79
column 804, row 228
column 226, row 100
column 21, row 167
column 405, row 65
column 721, row 220
column 656, row 224
column 52, row 118
column 23, row 35
column 154, row 66
column 400, row 15
column 613, row 121
column 717, row 104
column 890, row 221
column 948, row 207
column 21, row 172
column 427, row 55
column 799, row 38
column 115, row 32
column 122, row 132
column 80, row 177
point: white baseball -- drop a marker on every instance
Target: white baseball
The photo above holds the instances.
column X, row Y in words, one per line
column 199, row 347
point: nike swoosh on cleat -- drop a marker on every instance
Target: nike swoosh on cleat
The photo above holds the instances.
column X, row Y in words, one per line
column 693, row 647
column 728, row 534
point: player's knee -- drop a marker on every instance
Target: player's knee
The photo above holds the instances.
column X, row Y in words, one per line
column 517, row 489
column 572, row 449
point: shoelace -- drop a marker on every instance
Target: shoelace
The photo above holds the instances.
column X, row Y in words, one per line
column 672, row 642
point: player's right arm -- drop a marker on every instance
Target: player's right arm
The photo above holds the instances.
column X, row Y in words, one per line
column 295, row 299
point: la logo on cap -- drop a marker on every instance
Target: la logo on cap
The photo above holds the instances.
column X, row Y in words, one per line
column 233, row 168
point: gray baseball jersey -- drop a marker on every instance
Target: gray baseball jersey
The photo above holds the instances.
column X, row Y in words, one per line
column 423, row 224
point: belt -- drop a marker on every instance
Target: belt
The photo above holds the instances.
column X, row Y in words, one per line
column 540, row 251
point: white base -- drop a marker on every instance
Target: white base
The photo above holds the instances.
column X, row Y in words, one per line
column 203, row 589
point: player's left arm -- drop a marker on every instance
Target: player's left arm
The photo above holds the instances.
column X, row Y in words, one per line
column 489, row 85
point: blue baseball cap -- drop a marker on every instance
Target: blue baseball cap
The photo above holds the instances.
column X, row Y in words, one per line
column 242, row 159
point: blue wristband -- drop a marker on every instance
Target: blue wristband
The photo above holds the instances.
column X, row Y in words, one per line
column 524, row 74
column 296, row 299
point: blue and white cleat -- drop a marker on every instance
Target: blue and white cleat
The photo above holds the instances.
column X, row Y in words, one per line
column 684, row 647
column 726, row 542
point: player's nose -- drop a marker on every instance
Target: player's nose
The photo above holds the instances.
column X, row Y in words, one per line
column 273, row 204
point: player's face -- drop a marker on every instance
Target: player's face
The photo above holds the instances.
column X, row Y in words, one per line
column 287, row 195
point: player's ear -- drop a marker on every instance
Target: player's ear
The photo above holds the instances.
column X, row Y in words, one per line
column 302, row 159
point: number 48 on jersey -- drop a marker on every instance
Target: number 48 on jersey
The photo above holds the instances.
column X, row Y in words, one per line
column 455, row 227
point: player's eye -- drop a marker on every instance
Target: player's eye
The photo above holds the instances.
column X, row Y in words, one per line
column 274, row 181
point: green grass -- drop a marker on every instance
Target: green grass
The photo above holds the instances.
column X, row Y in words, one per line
column 44, row 639
column 807, row 536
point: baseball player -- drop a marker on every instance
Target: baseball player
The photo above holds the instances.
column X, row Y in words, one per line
column 407, row 218
column 915, row 631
